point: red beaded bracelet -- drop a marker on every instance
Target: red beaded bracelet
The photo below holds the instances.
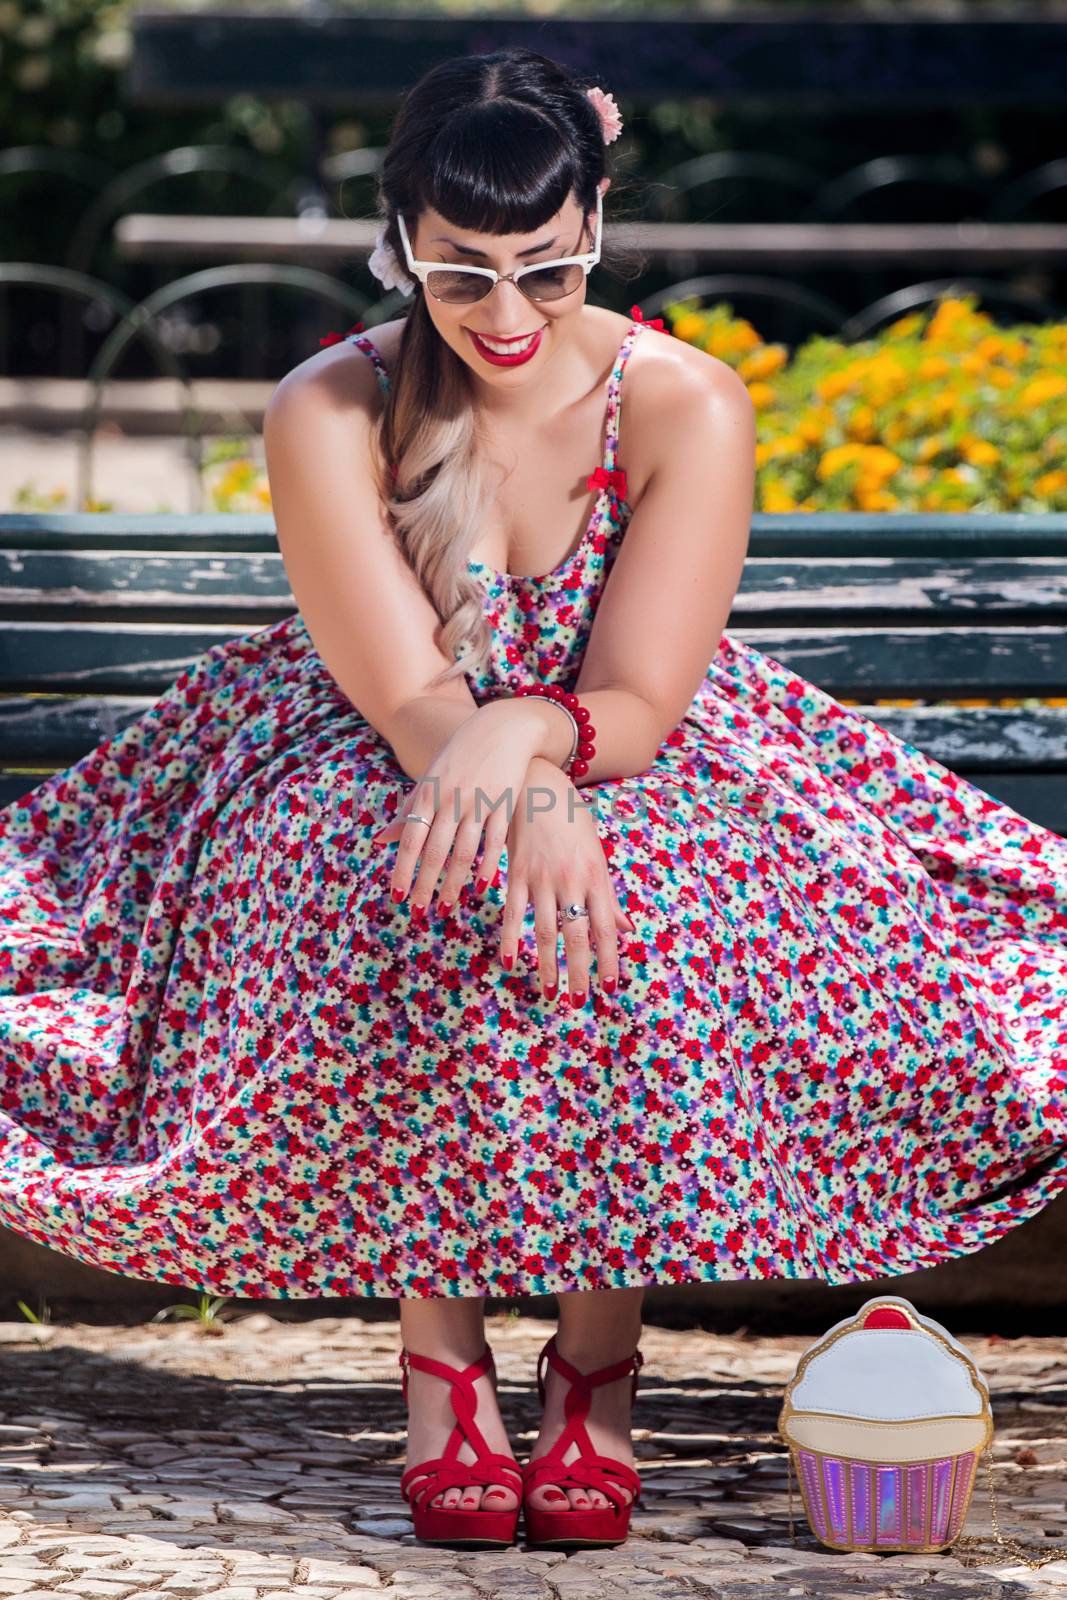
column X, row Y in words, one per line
column 578, row 761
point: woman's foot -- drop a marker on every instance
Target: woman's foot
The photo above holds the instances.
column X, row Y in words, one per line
column 607, row 1424
column 431, row 1419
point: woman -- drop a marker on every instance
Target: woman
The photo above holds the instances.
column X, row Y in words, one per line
column 812, row 1023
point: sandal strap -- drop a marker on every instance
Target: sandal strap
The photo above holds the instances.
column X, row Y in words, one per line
column 441, row 1369
column 589, row 1472
column 584, row 1381
column 444, row 1473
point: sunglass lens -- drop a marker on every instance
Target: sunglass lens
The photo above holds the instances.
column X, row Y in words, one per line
column 458, row 288
column 552, row 283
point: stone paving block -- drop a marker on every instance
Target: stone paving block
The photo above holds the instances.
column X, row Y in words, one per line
column 79, row 1501
column 245, row 1512
column 201, row 1580
column 37, row 1594
column 318, row 1571
column 95, row 1589
column 185, row 1510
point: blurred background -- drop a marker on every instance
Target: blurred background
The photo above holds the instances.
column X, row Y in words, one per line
column 861, row 207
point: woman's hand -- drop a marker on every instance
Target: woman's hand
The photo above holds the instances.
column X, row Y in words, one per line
column 555, row 857
column 484, row 762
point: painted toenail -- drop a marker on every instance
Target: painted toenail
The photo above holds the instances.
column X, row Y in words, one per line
column 555, row 1494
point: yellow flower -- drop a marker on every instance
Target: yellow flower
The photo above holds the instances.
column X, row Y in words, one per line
column 814, row 424
column 979, row 452
column 776, row 497
column 787, row 444
column 905, row 326
column 861, row 423
column 1050, row 483
column 878, row 462
column 762, row 363
column 762, row 395
column 1049, row 386
column 720, row 342
column 834, row 384
column 837, row 458
column 944, row 403
column 689, row 326
column 875, row 499
column 744, row 335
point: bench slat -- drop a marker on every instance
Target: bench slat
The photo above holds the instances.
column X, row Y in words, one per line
column 210, row 586
column 947, row 535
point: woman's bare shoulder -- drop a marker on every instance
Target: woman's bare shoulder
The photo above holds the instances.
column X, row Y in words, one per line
column 663, row 364
column 342, row 372
column 667, row 378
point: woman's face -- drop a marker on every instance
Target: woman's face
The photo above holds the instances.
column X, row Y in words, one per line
column 505, row 313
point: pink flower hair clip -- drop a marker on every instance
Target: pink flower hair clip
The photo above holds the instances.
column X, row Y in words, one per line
column 608, row 112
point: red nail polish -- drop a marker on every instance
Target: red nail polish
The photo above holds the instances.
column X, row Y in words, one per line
column 398, row 894
column 608, row 985
column 577, row 1000
column 509, row 962
column 417, row 912
column 482, row 885
column 550, row 991
column 445, row 908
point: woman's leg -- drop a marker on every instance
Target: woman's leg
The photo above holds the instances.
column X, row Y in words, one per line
column 596, row 1328
column 452, row 1330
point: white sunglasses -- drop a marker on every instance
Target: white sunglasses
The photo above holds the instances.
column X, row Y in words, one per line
column 546, row 280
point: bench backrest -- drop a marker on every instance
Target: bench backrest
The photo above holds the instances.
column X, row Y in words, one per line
column 104, row 612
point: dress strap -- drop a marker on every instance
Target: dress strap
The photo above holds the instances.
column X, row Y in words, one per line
column 361, row 342
column 608, row 475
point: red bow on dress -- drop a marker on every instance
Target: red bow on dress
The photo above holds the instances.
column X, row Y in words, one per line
column 335, row 338
column 653, row 322
column 613, row 478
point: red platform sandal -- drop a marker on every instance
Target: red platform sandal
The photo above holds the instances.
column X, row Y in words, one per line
column 469, row 1525
column 595, row 1525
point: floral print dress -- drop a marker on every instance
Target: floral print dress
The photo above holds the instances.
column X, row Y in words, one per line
column 838, row 1050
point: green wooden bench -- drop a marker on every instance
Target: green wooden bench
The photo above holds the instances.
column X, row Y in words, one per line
column 104, row 612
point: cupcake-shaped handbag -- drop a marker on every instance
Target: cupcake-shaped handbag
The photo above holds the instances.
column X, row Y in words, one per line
column 886, row 1418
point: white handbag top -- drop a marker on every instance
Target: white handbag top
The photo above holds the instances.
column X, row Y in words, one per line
column 889, row 1373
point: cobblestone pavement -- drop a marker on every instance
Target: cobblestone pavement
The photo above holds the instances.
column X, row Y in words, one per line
column 160, row 1462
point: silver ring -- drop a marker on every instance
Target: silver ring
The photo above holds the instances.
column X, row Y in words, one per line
column 411, row 817
column 572, row 912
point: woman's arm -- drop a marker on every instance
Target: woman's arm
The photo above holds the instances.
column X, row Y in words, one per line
column 670, row 592
column 366, row 612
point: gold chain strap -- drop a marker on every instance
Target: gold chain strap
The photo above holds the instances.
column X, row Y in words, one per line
column 982, row 1547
